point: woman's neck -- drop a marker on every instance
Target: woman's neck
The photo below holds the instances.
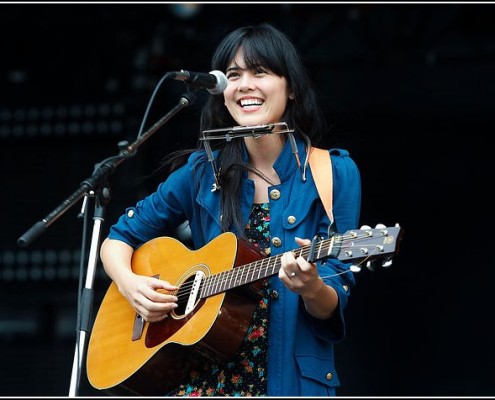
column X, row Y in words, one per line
column 264, row 151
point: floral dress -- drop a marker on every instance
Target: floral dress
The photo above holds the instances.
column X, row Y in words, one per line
column 245, row 373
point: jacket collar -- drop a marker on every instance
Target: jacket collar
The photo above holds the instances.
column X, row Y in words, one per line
column 286, row 163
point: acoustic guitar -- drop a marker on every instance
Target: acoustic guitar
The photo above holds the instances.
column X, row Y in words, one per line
column 219, row 288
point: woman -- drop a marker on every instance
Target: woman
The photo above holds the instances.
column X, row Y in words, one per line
column 260, row 189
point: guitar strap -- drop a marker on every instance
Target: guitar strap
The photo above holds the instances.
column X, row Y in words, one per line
column 321, row 168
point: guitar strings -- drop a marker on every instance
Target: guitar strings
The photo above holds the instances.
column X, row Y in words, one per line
column 187, row 285
column 217, row 282
column 220, row 277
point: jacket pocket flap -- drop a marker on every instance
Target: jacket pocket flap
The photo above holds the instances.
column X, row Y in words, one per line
column 318, row 369
column 299, row 209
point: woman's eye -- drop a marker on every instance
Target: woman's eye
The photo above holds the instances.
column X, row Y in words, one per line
column 261, row 71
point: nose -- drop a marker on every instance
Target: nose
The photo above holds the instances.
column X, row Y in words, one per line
column 246, row 83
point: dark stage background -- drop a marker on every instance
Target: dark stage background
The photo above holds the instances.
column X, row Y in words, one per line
column 409, row 90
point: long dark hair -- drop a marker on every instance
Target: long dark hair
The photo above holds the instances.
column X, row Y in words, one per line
column 262, row 45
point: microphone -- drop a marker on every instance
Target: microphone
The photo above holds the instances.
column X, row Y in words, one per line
column 214, row 81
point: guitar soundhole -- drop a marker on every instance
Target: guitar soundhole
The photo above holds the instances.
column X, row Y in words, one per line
column 160, row 331
column 183, row 295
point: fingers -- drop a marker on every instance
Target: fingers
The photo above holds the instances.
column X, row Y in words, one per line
column 161, row 291
column 296, row 271
column 153, row 298
column 302, row 242
column 291, row 268
column 157, row 283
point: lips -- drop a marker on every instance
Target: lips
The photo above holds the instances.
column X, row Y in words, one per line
column 252, row 102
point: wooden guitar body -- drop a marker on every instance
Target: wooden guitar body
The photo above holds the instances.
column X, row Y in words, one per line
column 219, row 288
column 168, row 350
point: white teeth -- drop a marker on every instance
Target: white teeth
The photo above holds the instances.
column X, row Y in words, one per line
column 251, row 102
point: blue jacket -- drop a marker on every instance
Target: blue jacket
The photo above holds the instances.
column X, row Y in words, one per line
column 301, row 353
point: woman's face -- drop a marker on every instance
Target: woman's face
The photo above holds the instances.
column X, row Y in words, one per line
column 254, row 97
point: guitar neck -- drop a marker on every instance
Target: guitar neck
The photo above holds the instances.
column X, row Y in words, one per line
column 363, row 244
column 265, row 267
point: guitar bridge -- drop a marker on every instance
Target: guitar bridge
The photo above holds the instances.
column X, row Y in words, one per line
column 137, row 328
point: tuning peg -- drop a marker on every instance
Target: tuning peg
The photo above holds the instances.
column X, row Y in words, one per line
column 365, row 227
column 355, row 268
column 380, row 226
column 371, row 265
column 386, row 263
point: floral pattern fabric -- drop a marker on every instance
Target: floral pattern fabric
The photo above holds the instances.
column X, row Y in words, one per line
column 245, row 374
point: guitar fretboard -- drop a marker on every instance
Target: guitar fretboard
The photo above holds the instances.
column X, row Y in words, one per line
column 265, row 267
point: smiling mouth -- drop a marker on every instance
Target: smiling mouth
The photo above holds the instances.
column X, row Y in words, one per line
column 250, row 103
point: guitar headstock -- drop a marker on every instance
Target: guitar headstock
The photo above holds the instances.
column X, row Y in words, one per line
column 371, row 245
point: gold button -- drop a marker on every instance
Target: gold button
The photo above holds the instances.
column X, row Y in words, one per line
column 130, row 213
column 274, row 294
column 329, row 376
column 276, row 242
column 346, row 288
column 275, row 194
column 291, row 219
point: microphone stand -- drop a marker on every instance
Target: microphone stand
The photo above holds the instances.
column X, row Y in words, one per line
column 96, row 185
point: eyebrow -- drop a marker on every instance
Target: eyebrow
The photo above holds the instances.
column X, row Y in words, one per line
column 233, row 68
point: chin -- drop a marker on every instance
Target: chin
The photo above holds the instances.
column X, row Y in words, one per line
column 252, row 122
